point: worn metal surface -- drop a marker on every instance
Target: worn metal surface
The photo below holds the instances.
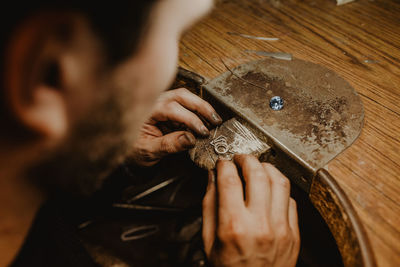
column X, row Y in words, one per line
column 322, row 116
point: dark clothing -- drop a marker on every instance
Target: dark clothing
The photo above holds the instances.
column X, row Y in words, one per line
column 52, row 241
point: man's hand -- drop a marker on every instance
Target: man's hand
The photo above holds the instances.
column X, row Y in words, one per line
column 178, row 106
column 260, row 229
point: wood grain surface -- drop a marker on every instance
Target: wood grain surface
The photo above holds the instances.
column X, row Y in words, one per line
column 361, row 42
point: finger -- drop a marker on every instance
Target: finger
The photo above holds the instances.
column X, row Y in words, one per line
column 293, row 219
column 257, row 182
column 229, row 190
column 294, row 227
column 209, row 214
column 197, row 104
column 280, row 195
column 176, row 112
column 173, row 143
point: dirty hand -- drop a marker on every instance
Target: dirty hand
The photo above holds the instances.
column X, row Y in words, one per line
column 179, row 106
column 260, row 229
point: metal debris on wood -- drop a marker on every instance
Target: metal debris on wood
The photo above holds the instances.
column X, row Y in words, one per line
column 254, row 37
column 277, row 55
column 342, row 2
column 371, row 61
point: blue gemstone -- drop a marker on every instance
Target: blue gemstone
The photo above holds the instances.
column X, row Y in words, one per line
column 276, row 103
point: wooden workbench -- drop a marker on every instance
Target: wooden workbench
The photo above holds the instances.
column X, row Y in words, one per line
column 361, row 42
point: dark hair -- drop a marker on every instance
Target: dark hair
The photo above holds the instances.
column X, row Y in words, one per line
column 118, row 25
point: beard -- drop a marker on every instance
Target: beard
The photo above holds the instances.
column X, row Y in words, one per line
column 96, row 145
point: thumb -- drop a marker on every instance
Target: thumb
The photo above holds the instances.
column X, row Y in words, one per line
column 175, row 142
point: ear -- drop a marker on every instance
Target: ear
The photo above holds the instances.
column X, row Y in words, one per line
column 33, row 79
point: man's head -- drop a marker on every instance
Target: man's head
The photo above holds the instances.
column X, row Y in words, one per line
column 79, row 81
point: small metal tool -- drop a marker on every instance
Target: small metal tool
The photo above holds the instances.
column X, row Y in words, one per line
column 145, row 208
column 153, row 189
column 139, row 232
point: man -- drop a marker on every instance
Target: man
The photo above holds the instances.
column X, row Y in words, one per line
column 81, row 92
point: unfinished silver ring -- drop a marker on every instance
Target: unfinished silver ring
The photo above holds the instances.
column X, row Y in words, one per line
column 221, row 148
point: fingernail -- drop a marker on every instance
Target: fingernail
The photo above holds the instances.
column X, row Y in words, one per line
column 216, row 118
column 204, row 130
column 186, row 140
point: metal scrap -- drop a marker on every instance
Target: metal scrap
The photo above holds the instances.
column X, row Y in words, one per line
column 277, row 55
column 342, row 2
column 371, row 61
column 254, row 37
